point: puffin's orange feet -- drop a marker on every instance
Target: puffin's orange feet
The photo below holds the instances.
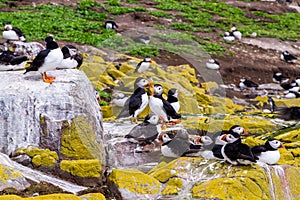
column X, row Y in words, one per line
column 173, row 122
column 49, row 79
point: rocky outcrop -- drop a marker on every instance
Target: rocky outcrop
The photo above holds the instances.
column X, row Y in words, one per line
column 35, row 113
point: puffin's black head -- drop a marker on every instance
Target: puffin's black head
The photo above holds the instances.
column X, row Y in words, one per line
column 273, row 144
column 49, row 39
column 152, row 119
column 7, row 26
column 172, row 91
column 238, row 129
column 141, row 82
column 66, row 52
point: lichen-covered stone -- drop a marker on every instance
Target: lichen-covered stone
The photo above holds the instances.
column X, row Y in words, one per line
column 10, row 178
column 10, row 197
column 173, row 186
column 106, row 111
column 90, row 196
column 93, row 196
column 134, row 184
column 40, row 157
column 82, row 168
column 78, row 141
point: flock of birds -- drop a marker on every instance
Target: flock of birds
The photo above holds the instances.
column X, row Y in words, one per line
column 51, row 58
column 226, row 145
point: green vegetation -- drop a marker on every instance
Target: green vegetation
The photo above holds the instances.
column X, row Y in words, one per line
column 85, row 21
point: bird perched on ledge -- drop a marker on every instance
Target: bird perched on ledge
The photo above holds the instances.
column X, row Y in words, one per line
column 46, row 60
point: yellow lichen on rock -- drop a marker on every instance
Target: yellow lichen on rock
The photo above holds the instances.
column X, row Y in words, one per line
column 78, row 141
column 106, row 111
column 40, row 157
column 82, row 168
column 135, row 181
column 207, row 86
column 93, row 196
column 10, row 197
column 6, row 174
column 173, row 186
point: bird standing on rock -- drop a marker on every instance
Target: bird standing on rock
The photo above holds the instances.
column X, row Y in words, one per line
column 162, row 107
column 213, row 64
column 138, row 101
column 287, row 57
column 146, row 132
column 111, row 25
column 46, row 60
column 237, row 34
column 235, row 152
column 244, row 84
column 143, row 65
column 279, row 78
column 13, row 33
column 268, row 153
column 71, row 58
column 173, row 99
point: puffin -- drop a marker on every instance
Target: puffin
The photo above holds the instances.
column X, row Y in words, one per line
column 206, row 149
column 235, row 152
column 119, row 99
column 288, row 86
column 287, row 57
column 268, row 153
column 228, row 36
column 144, row 39
column 138, row 101
column 144, row 65
column 271, row 104
column 290, row 113
column 46, row 60
column 111, row 25
column 13, row 33
column 220, row 139
column 71, row 58
column 161, row 106
column 9, row 58
column 178, row 146
column 291, row 94
column 237, row 34
column 245, row 83
column 146, row 132
column 279, row 78
column 213, row 64
column 173, row 99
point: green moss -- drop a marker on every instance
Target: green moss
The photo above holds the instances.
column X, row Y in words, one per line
column 82, row 168
column 40, row 157
column 78, row 141
column 135, row 181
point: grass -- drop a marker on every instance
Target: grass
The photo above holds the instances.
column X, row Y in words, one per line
column 85, row 22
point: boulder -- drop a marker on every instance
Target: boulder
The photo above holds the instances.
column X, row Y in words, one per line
column 35, row 113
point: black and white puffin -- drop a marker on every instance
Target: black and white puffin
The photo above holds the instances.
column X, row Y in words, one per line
column 290, row 85
column 46, row 60
column 206, row 149
column 111, row 25
column 213, row 64
column 228, row 36
column 161, row 106
column 145, row 39
column 144, row 65
column 220, row 139
column 268, row 153
column 178, row 146
column 287, row 57
column 237, row 34
column 146, row 132
column 138, row 101
column 279, row 78
column 291, row 94
column 235, row 152
column 245, row 83
column 9, row 58
column 271, row 104
column 72, row 59
column 290, row 113
column 173, row 99
column 13, row 33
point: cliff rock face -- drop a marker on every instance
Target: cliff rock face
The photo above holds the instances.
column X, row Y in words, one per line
column 36, row 113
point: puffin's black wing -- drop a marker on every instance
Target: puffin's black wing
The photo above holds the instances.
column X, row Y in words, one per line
column 246, row 153
column 170, row 110
column 135, row 101
column 144, row 132
column 290, row 57
column 250, row 83
column 38, row 60
column 18, row 32
column 179, row 146
column 66, row 52
column 217, row 151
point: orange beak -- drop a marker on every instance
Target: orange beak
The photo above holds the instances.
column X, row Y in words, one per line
column 198, row 140
column 245, row 132
column 160, row 137
column 224, row 137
